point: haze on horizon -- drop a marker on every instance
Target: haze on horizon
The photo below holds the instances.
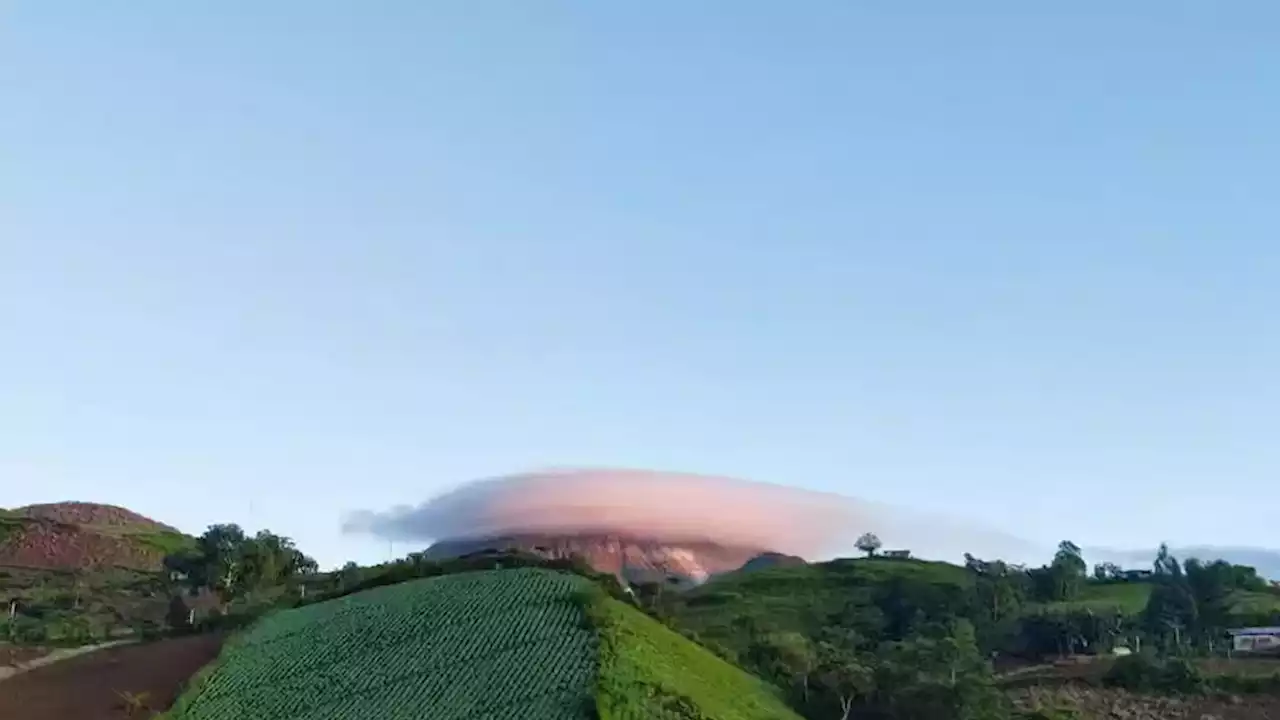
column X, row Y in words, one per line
column 270, row 262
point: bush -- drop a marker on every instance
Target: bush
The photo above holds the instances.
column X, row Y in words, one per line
column 22, row 630
column 1143, row 673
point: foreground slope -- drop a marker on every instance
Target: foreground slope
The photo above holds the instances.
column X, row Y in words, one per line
column 528, row 643
column 648, row 671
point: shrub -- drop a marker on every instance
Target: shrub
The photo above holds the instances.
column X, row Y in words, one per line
column 1143, row 673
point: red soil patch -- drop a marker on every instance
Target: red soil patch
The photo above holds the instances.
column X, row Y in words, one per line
column 87, row 687
column 46, row 544
column 97, row 514
column 15, row 654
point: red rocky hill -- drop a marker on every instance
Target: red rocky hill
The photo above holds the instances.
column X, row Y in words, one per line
column 632, row 560
column 79, row 536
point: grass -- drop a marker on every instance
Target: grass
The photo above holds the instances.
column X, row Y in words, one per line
column 1128, row 597
column 649, row 672
column 1131, row 599
column 10, row 524
column 1255, row 603
column 165, row 543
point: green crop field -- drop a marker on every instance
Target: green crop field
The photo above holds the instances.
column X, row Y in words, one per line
column 526, row 643
column 496, row 644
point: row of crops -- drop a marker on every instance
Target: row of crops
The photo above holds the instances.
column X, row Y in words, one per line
column 501, row 644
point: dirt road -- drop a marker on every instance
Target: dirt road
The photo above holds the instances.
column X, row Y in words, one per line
column 89, row 686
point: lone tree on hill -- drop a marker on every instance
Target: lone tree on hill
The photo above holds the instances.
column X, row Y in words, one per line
column 869, row 544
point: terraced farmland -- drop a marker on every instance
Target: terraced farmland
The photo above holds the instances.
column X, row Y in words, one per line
column 496, row 644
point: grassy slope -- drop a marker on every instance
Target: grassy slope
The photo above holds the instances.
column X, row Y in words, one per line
column 648, row 672
column 800, row 598
column 1129, row 598
column 795, row 598
column 1255, row 603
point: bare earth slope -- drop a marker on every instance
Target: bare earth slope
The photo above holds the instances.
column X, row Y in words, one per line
column 79, row 536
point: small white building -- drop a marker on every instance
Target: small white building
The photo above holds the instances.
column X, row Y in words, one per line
column 1255, row 639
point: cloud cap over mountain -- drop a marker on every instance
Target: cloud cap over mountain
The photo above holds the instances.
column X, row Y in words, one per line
column 675, row 507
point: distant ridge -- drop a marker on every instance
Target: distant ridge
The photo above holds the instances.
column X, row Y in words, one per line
column 1265, row 560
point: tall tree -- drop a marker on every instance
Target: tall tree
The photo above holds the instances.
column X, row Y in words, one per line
column 1171, row 610
column 1067, row 571
column 869, row 543
column 232, row 564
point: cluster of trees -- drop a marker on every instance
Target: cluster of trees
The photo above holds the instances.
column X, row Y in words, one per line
column 1190, row 603
column 921, row 644
column 235, row 565
column 1189, row 607
column 892, row 651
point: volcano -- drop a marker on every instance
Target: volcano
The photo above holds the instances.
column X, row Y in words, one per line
column 633, row 560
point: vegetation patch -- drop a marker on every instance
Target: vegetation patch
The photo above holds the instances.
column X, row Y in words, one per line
column 164, row 542
column 1128, row 598
column 649, row 672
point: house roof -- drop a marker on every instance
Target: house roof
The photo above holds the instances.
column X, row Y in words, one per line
column 1255, row 631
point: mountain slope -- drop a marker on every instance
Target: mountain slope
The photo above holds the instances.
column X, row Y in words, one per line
column 632, row 560
column 80, row 536
column 526, row 643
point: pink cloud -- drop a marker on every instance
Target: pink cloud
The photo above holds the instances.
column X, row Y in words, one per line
column 674, row 507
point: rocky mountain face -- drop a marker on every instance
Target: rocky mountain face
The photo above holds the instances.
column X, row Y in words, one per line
column 632, row 560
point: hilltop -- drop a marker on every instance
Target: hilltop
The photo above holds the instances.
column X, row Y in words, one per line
column 83, row 536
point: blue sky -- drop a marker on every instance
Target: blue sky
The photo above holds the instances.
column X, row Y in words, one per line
column 1014, row 263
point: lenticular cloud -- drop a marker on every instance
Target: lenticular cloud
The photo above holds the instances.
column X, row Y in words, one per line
column 674, row 507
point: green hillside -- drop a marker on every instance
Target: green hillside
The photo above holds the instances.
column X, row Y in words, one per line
column 1129, row 598
column 528, row 643
column 728, row 610
column 649, row 672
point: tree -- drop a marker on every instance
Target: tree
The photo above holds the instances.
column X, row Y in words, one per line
column 349, row 575
column 1107, row 571
column 1070, row 558
column 1066, row 572
column 847, row 679
column 232, row 564
column 1165, row 563
column 1171, row 610
column 843, row 672
column 786, row 655
column 869, row 543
